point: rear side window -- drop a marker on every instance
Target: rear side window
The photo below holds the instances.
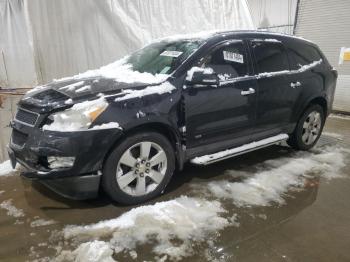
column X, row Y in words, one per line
column 228, row 61
column 301, row 55
column 270, row 56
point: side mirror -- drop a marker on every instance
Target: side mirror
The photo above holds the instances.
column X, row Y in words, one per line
column 197, row 76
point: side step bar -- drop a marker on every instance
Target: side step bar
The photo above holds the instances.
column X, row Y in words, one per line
column 222, row 155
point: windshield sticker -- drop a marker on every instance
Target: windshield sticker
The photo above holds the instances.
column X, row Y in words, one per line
column 234, row 57
column 171, row 53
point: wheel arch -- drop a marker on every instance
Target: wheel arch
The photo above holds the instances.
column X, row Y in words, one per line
column 166, row 130
column 317, row 100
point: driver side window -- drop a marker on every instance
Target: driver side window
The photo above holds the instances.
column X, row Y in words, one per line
column 228, row 61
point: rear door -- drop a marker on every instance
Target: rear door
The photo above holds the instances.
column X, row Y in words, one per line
column 304, row 83
column 226, row 112
column 274, row 101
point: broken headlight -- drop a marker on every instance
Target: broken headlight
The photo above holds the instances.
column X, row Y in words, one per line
column 78, row 117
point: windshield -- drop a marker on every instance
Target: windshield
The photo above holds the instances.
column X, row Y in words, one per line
column 162, row 57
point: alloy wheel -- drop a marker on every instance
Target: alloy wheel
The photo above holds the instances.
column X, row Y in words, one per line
column 141, row 168
column 311, row 128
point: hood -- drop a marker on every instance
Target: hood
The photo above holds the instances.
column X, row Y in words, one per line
column 62, row 94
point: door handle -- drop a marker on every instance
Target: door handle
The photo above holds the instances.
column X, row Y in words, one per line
column 295, row 84
column 248, row 92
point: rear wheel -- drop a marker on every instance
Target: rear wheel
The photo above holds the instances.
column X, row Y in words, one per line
column 139, row 168
column 308, row 129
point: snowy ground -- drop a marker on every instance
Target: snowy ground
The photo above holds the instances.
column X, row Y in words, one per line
column 281, row 202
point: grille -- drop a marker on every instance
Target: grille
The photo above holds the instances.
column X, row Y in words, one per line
column 18, row 138
column 26, row 117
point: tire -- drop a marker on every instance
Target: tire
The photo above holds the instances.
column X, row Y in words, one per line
column 129, row 177
column 308, row 129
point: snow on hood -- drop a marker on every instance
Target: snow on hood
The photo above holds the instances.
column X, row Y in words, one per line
column 119, row 71
column 163, row 88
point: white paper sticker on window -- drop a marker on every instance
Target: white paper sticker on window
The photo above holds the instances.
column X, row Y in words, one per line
column 171, row 53
column 234, row 57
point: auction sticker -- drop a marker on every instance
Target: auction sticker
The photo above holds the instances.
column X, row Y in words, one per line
column 171, row 53
column 234, row 57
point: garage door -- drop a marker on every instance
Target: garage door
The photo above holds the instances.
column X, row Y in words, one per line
column 327, row 24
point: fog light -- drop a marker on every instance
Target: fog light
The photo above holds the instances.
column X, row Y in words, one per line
column 60, row 161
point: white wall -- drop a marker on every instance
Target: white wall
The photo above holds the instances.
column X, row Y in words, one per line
column 274, row 15
column 72, row 36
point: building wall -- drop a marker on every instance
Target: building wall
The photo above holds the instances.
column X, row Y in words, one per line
column 52, row 39
column 327, row 23
column 274, row 15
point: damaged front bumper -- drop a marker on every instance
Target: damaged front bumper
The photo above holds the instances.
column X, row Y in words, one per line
column 86, row 150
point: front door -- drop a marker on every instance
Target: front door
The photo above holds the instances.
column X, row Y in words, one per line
column 224, row 114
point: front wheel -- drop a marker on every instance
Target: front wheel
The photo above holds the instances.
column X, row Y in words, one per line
column 308, row 129
column 139, row 168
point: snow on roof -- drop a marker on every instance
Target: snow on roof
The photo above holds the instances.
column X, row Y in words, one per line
column 199, row 35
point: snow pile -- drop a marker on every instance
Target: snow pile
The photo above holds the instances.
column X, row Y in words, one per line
column 89, row 252
column 273, row 180
column 120, row 71
column 80, row 116
column 42, row 222
column 206, row 71
column 334, row 135
column 165, row 87
column 6, row 168
column 11, row 209
column 172, row 226
column 340, row 116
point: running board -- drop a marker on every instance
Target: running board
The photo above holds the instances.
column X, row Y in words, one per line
column 222, row 155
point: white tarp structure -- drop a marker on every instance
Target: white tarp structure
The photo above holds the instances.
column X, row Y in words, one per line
column 43, row 40
column 277, row 16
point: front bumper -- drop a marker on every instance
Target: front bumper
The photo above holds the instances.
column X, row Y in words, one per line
column 75, row 187
column 89, row 148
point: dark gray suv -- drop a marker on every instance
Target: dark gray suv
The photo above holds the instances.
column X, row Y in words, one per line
column 128, row 125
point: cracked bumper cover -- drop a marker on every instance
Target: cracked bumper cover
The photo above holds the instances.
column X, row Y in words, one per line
column 81, row 181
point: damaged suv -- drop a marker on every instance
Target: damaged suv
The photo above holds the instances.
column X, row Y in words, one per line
column 127, row 126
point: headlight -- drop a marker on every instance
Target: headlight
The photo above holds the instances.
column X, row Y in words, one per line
column 78, row 117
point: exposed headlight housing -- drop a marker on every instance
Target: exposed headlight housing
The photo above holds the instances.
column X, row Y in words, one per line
column 60, row 162
column 78, row 117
